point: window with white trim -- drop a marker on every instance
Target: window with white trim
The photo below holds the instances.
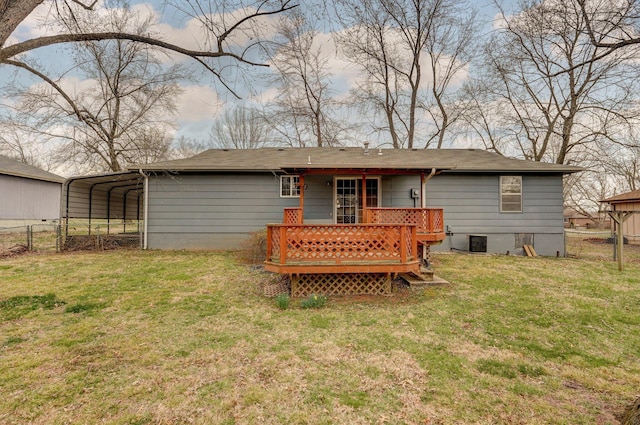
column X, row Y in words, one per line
column 511, row 194
column 289, row 186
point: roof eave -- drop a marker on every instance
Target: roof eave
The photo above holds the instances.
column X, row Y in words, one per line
column 59, row 180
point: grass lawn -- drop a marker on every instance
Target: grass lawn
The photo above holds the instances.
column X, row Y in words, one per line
column 132, row 337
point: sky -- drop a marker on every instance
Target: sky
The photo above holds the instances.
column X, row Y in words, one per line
column 202, row 100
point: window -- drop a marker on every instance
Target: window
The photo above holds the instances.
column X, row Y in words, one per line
column 510, row 194
column 289, row 186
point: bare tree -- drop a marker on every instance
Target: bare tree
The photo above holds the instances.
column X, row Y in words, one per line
column 124, row 114
column 240, row 128
column 390, row 40
column 534, row 102
column 450, row 48
column 302, row 112
column 231, row 31
column 611, row 25
column 18, row 144
column 185, row 147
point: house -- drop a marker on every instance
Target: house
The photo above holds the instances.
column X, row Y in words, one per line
column 626, row 207
column 29, row 195
column 215, row 199
column 576, row 220
column 336, row 218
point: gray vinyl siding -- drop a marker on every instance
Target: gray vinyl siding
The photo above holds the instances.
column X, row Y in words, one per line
column 218, row 211
column 29, row 199
column 396, row 191
column 471, row 206
column 319, row 194
column 318, row 199
column 212, row 211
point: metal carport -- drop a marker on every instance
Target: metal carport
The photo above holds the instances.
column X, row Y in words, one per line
column 106, row 201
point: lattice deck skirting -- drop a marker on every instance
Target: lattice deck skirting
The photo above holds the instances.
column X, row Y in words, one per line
column 341, row 284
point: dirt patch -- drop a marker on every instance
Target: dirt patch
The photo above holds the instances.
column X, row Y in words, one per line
column 631, row 415
column 14, row 251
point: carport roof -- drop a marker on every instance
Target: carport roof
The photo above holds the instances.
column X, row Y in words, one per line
column 78, row 196
column 124, row 178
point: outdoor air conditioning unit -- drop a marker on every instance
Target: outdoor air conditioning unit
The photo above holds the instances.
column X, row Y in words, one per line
column 477, row 243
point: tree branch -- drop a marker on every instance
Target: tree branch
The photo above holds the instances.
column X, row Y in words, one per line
column 52, row 83
column 25, row 46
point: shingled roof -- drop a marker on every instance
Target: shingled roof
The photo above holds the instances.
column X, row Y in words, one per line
column 11, row 167
column 273, row 159
column 624, row 197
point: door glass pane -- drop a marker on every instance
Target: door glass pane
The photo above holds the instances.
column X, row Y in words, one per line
column 346, row 201
column 372, row 193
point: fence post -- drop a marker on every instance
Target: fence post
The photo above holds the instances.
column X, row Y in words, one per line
column 97, row 237
column 29, row 238
column 58, row 238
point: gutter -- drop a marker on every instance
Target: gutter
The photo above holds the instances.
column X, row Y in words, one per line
column 146, row 209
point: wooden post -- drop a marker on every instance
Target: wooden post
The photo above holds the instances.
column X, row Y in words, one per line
column 301, row 183
column 414, row 241
column 620, row 217
column 422, row 200
column 269, row 243
column 364, row 198
column 283, row 244
column 403, row 244
column 423, row 204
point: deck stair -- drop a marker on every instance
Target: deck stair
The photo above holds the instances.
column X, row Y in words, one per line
column 424, row 279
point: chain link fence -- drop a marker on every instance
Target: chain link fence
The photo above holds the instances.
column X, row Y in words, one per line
column 82, row 234
column 78, row 235
column 44, row 237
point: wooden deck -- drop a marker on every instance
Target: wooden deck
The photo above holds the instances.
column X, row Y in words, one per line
column 342, row 248
column 387, row 243
column 429, row 221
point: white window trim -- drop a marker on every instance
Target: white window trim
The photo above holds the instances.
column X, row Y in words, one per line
column 502, row 211
column 292, row 178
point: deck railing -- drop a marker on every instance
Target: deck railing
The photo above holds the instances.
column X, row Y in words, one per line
column 338, row 243
column 292, row 216
column 428, row 220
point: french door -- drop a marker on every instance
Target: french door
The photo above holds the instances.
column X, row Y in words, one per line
column 348, row 198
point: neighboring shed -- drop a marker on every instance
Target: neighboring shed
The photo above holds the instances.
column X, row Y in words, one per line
column 28, row 194
column 628, row 202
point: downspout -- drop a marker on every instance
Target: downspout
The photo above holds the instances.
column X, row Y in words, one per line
column 423, row 181
column 146, row 209
column 423, row 204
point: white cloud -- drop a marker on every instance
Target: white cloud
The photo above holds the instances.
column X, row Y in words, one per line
column 198, row 103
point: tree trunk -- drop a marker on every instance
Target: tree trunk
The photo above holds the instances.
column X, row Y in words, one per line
column 12, row 13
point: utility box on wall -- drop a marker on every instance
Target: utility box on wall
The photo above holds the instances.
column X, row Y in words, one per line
column 477, row 243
